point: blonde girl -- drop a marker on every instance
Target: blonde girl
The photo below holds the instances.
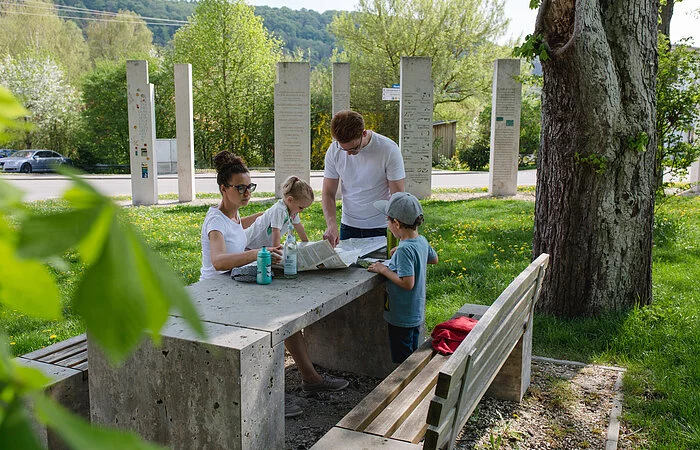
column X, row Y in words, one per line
column 269, row 228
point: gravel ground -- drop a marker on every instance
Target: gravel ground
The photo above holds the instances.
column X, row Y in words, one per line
column 567, row 407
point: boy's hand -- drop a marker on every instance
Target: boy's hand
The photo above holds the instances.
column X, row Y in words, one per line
column 378, row 267
column 392, row 251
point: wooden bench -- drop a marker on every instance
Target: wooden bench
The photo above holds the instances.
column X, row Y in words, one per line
column 430, row 396
column 65, row 363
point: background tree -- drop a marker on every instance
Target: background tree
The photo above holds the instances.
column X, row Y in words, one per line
column 677, row 110
column 595, row 178
column 43, row 35
column 53, row 104
column 126, row 35
column 457, row 34
column 233, row 61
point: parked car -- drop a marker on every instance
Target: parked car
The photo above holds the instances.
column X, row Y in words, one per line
column 28, row 161
column 5, row 152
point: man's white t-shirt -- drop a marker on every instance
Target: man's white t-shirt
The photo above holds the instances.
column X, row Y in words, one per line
column 365, row 179
column 234, row 236
column 260, row 232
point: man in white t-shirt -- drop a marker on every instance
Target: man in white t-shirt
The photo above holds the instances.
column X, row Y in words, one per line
column 371, row 169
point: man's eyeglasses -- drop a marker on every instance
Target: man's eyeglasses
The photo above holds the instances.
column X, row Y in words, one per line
column 243, row 187
column 354, row 149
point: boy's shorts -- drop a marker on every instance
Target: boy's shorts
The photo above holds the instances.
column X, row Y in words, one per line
column 402, row 342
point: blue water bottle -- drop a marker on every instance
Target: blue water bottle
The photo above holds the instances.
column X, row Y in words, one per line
column 264, row 275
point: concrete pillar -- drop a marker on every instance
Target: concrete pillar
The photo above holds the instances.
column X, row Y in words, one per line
column 695, row 177
column 292, row 122
column 185, row 132
column 505, row 127
column 341, row 87
column 142, row 134
column 416, row 123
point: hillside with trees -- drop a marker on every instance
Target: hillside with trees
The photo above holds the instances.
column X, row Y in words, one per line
column 304, row 31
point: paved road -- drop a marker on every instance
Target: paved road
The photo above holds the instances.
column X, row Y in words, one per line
column 45, row 186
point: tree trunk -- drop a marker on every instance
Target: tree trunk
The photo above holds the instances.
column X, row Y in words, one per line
column 665, row 14
column 595, row 178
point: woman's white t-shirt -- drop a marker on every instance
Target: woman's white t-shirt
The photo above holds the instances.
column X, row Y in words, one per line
column 234, row 236
column 260, row 232
column 365, row 179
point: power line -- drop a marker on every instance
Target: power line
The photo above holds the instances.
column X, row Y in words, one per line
column 67, row 10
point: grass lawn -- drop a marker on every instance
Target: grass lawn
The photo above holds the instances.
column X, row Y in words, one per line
column 483, row 244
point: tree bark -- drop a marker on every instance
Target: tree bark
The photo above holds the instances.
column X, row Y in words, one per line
column 595, row 179
column 665, row 13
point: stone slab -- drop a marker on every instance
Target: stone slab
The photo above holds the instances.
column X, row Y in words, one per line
column 184, row 129
column 341, row 87
column 416, row 124
column 142, row 134
column 283, row 307
column 292, row 123
column 225, row 391
column 505, row 127
column 354, row 338
column 68, row 387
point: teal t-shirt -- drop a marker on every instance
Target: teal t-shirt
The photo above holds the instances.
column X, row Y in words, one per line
column 407, row 308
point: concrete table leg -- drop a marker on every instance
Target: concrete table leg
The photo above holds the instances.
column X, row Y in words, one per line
column 353, row 338
column 226, row 391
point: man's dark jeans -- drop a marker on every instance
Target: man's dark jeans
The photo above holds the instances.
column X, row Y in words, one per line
column 347, row 232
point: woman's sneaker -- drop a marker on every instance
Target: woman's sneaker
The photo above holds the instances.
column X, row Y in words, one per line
column 291, row 408
column 328, row 383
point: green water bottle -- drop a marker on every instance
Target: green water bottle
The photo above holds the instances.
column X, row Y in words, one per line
column 264, row 275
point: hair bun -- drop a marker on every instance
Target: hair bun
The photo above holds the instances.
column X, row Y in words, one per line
column 227, row 158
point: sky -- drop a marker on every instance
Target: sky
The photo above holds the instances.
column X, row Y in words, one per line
column 684, row 23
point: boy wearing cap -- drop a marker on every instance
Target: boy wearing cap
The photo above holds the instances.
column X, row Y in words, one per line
column 406, row 271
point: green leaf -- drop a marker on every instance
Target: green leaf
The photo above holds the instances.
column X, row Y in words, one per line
column 27, row 286
column 111, row 297
column 79, row 434
column 171, row 288
column 10, row 108
column 16, row 430
column 9, row 195
column 43, row 236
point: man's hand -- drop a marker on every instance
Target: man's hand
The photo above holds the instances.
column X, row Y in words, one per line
column 331, row 235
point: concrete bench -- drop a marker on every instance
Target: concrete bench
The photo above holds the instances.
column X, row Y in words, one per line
column 430, row 396
column 65, row 363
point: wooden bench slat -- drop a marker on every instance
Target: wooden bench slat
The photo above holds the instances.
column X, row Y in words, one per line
column 413, row 428
column 74, row 360
column 393, row 414
column 64, row 354
column 479, row 334
column 57, row 347
column 437, row 436
column 488, row 361
column 370, row 406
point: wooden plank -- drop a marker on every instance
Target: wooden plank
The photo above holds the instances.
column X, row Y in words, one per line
column 340, row 438
column 410, row 396
column 413, row 428
column 58, row 346
column 63, row 354
column 437, row 436
column 372, row 405
column 73, row 361
column 441, row 405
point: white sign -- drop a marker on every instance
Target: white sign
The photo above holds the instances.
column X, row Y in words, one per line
column 392, row 94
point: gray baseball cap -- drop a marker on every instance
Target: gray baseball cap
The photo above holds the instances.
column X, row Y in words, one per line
column 402, row 206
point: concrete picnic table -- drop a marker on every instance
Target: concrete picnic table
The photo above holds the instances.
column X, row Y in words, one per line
column 227, row 390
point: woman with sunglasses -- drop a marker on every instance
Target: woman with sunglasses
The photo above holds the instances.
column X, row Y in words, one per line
column 223, row 248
